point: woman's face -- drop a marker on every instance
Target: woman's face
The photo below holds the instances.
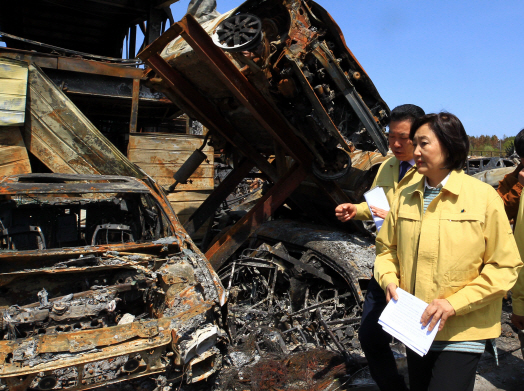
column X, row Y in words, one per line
column 430, row 156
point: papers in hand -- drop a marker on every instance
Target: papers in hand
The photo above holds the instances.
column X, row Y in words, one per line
column 401, row 319
column 376, row 197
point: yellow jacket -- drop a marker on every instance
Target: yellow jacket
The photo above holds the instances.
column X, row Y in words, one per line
column 518, row 289
column 387, row 178
column 462, row 249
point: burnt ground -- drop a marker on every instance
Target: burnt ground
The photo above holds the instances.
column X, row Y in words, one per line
column 317, row 370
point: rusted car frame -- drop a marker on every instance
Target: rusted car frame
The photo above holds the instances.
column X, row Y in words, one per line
column 83, row 316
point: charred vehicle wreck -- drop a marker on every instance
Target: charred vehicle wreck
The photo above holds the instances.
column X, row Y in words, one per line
column 100, row 284
column 295, row 59
column 294, row 306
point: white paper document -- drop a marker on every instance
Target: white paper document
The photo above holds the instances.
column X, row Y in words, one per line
column 401, row 319
column 377, row 197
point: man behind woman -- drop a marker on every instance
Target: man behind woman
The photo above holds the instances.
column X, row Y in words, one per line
column 447, row 241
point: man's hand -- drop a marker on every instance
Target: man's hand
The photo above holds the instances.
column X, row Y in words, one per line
column 345, row 212
column 391, row 292
column 437, row 309
column 379, row 212
column 518, row 321
column 521, row 177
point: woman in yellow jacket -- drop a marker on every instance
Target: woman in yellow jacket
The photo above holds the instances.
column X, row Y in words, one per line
column 447, row 241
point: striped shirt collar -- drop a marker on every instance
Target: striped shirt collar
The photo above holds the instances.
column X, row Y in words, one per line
column 439, row 186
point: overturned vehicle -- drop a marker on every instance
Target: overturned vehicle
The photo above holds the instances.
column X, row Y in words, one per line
column 100, row 284
column 270, row 68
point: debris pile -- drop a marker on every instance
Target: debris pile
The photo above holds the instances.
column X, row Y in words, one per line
column 290, row 316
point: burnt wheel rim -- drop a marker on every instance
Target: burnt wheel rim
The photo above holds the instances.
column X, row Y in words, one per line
column 239, row 32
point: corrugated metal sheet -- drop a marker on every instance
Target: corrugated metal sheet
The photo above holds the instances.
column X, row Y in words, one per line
column 13, row 91
column 13, row 154
column 161, row 155
column 61, row 136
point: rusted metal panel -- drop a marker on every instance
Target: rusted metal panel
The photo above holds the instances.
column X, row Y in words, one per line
column 14, row 160
column 185, row 95
column 60, row 136
column 255, row 102
column 13, row 154
column 13, row 91
column 99, row 68
column 43, row 60
column 334, row 116
column 161, row 155
column 81, row 65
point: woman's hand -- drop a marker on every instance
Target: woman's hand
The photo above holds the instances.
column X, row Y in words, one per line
column 437, row 309
column 345, row 212
column 391, row 292
column 379, row 212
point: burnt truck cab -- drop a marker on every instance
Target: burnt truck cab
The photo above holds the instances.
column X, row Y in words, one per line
column 100, row 284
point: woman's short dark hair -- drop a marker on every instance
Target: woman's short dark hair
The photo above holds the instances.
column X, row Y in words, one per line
column 451, row 134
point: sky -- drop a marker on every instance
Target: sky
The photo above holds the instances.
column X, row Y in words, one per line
column 464, row 57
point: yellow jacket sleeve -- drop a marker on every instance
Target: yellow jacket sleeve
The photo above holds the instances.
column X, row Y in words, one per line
column 501, row 263
column 518, row 295
column 387, row 268
column 518, row 289
column 363, row 212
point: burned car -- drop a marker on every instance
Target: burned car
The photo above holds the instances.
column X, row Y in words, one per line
column 294, row 307
column 296, row 59
column 100, row 284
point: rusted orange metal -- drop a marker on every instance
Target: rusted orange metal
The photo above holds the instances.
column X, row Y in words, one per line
column 197, row 103
column 147, row 338
column 76, row 350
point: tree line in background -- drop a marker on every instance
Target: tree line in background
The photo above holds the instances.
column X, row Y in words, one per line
column 492, row 144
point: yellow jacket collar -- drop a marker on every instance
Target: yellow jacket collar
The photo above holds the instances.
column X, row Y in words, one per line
column 453, row 185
